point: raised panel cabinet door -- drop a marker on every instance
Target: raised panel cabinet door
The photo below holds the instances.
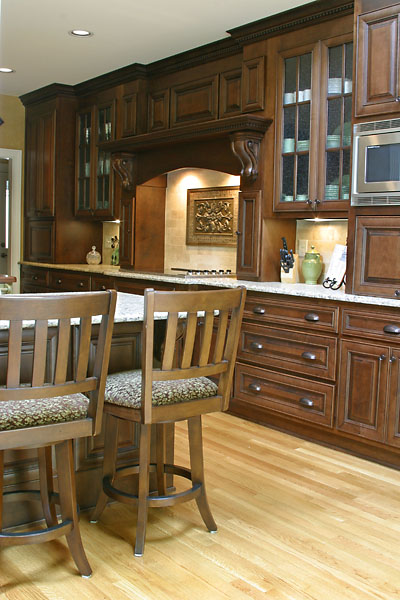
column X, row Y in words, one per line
column 39, row 240
column 362, row 389
column 377, row 76
column 249, row 224
column 376, row 263
column 40, row 154
column 393, row 413
column 195, row 101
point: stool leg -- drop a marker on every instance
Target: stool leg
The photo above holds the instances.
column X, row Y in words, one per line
column 197, row 469
column 67, row 491
column 109, row 462
column 2, row 487
column 46, row 485
column 160, row 458
column 143, row 492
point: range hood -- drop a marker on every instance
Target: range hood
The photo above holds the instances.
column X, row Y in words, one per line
column 230, row 145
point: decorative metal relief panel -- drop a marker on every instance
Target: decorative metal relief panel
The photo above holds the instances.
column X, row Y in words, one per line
column 212, row 215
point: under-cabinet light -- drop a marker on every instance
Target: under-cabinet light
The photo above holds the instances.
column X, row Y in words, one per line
column 6, row 70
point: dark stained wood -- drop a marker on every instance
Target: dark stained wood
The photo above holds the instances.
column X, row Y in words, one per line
column 230, row 93
column 253, row 86
column 150, row 226
column 377, row 79
column 362, row 389
column 377, row 246
column 249, row 223
column 158, row 110
column 194, row 102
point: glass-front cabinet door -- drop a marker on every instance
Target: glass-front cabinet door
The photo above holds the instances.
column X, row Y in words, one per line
column 95, row 178
column 314, row 127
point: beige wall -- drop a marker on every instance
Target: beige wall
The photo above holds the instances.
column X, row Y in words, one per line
column 12, row 132
column 177, row 253
column 324, row 235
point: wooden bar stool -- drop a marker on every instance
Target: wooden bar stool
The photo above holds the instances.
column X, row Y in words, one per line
column 52, row 410
column 181, row 389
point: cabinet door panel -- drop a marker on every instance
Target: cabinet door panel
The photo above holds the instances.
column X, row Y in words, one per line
column 393, row 416
column 249, row 224
column 377, row 62
column 362, row 390
column 377, row 248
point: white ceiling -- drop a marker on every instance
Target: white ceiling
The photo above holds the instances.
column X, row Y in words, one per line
column 34, row 38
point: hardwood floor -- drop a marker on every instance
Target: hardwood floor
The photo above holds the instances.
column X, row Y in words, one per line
column 296, row 521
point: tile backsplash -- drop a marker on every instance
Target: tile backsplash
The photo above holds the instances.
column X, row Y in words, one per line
column 324, row 235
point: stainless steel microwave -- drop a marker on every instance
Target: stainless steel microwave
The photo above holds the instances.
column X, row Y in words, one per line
column 376, row 163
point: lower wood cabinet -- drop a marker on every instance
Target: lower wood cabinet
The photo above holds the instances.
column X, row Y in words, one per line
column 369, row 392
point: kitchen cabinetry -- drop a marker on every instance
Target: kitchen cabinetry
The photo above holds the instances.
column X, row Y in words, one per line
column 376, row 252
column 377, row 67
column 95, row 194
column 284, row 365
column 248, row 234
column 51, row 232
column 313, row 136
column 369, row 385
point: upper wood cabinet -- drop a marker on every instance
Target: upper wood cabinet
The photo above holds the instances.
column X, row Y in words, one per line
column 313, row 134
column 95, row 194
column 40, row 161
column 377, row 68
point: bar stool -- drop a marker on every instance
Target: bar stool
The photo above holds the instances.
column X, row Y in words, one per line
column 194, row 378
column 52, row 410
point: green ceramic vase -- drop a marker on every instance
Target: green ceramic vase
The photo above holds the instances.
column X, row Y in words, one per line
column 312, row 266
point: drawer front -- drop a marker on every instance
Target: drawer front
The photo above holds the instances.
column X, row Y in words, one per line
column 285, row 394
column 384, row 326
column 101, row 282
column 296, row 352
column 69, row 282
column 33, row 276
column 308, row 316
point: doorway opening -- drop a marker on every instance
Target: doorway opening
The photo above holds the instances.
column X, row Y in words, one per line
column 10, row 208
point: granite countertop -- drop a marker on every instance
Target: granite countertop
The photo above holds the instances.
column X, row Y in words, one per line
column 270, row 287
column 129, row 309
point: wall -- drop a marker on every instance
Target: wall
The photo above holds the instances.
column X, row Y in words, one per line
column 177, row 253
column 12, row 131
column 324, row 235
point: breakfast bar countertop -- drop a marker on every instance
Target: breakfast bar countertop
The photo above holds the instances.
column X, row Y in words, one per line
column 270, row 287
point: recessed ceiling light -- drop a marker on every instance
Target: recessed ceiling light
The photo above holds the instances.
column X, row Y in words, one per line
column 80, row 32
column 6, row 70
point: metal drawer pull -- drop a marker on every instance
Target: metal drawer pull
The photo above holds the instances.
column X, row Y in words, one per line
column 309, row 355
column 59, row 281
column 306, row 402
column 395, row 329
column 103, row 287
column 311, row 317
column 257, row 310
column 256, row 346
column 254, row 387
column 392, row 359
column 34, row 277
column 397, row 293
column 382, row 357
column 80, row 284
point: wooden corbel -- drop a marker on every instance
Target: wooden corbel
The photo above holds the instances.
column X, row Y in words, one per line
column 125, row 164
column 246, row 146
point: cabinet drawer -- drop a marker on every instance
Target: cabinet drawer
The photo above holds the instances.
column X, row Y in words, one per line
column 101, row 282
column 384, row 326
column 69, row 282
column 309, row 316
column 297, row 352
column 33, row 276
column 292, row 396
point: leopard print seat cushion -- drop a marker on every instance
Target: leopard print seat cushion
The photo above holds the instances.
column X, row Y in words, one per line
column 20, row 414
column 125, row 388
